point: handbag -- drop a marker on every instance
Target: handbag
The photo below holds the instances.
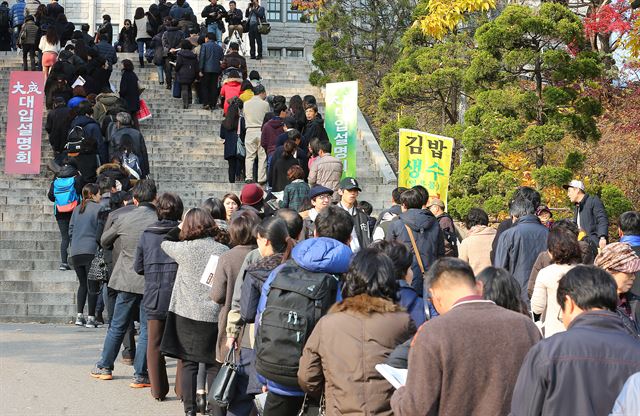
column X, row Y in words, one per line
column 98, row 270
column 144, row 112
column 312, row 408
column 224, row 385
column 264, row 27
column 240, row 149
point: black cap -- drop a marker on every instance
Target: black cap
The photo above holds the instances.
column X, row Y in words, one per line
column 349, row 184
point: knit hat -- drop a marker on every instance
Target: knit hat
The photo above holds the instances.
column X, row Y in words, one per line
column 251, row 194
column 618, row 257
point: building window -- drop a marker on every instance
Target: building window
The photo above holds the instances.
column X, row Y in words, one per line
column 274, row 10
column 292, row 15
column 276, row 53
column 295, row 53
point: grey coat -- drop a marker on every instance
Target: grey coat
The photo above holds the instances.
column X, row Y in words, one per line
column 190, row 298
column 127, row 229
column 83, row 229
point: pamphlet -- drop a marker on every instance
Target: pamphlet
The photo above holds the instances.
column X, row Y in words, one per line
column 209, row 271
column 396, row 376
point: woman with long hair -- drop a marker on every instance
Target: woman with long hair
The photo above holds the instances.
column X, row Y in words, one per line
column 278, row 176
column 130, row 90
column 50, row 47
column 565, row 255
column 64, row 28
column 231, row 204
column 340, row 356
column 143, row 36
column 127, row 38
column 84, row 231
column 499, row 286
column 191, row 327
column 233, row 129
column 215, row 208
column 296, row 110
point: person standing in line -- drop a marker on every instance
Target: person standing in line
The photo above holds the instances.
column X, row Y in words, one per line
column 297, row 191
column 27, row 42
column 17, row 15
column 50, row 47
column 231, row 204
column 436, row 206
column 629, row 232
column 255, row 14
column 589, row 213
column 140, row 24
column 171, row 39
column 191, row 327
column 320, row 198
column 130, row 90
column 475, row 249
column 326, row 170
column 159, row 271
column 186, row 71
column 232, row 130
column 254, row 111
column 595, row 350
column 211, row 55
column 349, row 189
column 83, row 229
column 473, row 339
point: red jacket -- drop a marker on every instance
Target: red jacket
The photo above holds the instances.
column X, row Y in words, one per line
column 270, row 132
column 229, row 90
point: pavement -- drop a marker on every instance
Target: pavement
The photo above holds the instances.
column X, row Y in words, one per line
column 44, row 370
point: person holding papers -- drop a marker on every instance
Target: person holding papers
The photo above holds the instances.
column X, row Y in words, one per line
column 357, row 334
column 191, row 327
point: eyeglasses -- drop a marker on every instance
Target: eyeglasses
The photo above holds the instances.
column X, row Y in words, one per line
column 323, row 197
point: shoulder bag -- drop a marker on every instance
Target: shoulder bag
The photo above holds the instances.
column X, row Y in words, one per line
column 240, row 149
column 98, row 271
column 415, row 250
column 264, row 27
column 224, row 385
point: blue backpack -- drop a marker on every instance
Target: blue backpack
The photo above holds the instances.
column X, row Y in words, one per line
column 66, row 197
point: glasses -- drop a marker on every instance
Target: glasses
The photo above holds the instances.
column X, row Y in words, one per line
column 323, row 197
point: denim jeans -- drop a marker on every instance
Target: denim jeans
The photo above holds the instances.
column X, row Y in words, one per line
column 213, row 28
column 122, row 314
column 160, row 69
column 141, row 46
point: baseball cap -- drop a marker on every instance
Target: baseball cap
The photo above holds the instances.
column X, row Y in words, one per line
column 436, row 202
column 349, row 184
column 319, row 190
column 575, row 184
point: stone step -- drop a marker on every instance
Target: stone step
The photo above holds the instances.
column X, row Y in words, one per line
column 42, row 276
column 36, row 313
column 30, row 245
column 30, row 254
column 37, row 298
column 29, row 264
column 30, row 236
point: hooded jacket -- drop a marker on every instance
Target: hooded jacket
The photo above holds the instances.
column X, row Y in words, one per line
column 230, row 89
column 186, row 67
column 412, row 303
column 177, row 11
column 314, row 128
column 117, row 172
column 428, row 236
column 57, row 126
column 67, row 171
column 159, row 270
column 270, row 132
column 319, row 255
column 345, row 346
column 92, row 131
column 104, row 103
column 381, row 228
column 519, row 248
column 596, row 352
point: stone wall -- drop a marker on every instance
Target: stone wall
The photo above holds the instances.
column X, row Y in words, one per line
column 291, row 36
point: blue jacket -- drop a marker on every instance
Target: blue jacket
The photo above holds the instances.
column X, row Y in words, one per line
column 178, row 12
column 211, row 55
column 107, row 51
column 92, row 131
column 17, row 13
column 320, row 254
column 409, row 299
column 519, row 247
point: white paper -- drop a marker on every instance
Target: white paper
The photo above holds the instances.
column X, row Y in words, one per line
column 79, row 82
column 209, row 271
column 260, row 400
column 396, row 376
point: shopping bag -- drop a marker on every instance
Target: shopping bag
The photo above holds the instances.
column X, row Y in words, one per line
column 144, row 112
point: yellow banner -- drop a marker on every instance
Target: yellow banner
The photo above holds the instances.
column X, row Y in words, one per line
column 425, row 159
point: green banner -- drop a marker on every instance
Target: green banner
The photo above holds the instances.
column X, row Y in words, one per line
column 341, row 123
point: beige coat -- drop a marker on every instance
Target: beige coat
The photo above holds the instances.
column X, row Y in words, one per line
column 543, row 300
column 326, row 171
column 343, row 350
column 476, row 248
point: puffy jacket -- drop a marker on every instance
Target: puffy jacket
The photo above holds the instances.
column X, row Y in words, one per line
column 326, row 171
column 519, row 247
column 230, row 89
column 17, row 13
column 92, row 131
column 595, row 351
column 104, row 103
column 343, row 350
column 428, row 236
column 270, row 132
column 67, row 171
column 29, row 33
column 158, row 268
column 171, row 39
column 211, row 55
column 177, row 12
column 592, row 217
column 320, row 254
column 186, row 67
column 107, row 51
column 314, row 128
column 412, row 303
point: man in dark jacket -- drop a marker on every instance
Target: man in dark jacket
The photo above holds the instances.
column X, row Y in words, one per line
column 123, row 126
column 436, row 206
column 425, row 231
column 349, row 189
column 107, row 51
column 127, row 229
column 171, row 39
column 211, row 54
column 596, row 352
column 589, row 213
column 91, row 129
column 105, row 31
column 57, row 126
column 385, row 218
column 233, row 59
column 521, row 244
column 214, row 14
column 629, row 231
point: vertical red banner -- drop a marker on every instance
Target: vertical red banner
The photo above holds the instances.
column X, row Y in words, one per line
column 24, row 122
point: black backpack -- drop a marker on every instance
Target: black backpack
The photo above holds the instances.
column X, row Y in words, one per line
column 296, row 301
column 76, row 140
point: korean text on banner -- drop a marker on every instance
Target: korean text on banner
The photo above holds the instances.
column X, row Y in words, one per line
column 24, row 122
column 425, row 159
column 341, row 123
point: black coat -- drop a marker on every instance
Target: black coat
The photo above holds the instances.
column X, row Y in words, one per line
column 314, row 128
column 593, row 218
column 301, row 155
column 65, row 32
column 158, row 268
column 129, row 90
column 596, row 352
column 231, row 139
column 428, row 236
column 186, row 67
column 106, row 32
column 278, row 178
column 58, row 125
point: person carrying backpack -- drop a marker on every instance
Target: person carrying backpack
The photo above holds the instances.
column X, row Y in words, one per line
column 107, row 104
column 128, row 159
column 436, row 206
column 294, row 297
column 65, row 191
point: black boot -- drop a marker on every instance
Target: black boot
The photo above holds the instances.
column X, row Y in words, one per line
column 201, row 402
column 141, row 62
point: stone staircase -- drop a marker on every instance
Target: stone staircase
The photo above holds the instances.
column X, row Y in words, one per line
column 186, row 157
